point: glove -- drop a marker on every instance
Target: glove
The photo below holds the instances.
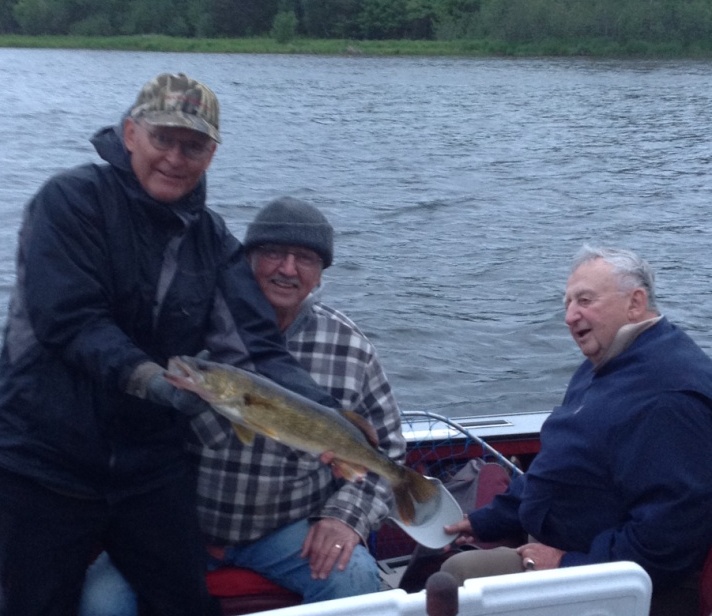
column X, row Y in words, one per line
column 160, row 391
column 148, row 382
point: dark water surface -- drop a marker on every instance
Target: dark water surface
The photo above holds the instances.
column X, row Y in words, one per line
column 459, row 189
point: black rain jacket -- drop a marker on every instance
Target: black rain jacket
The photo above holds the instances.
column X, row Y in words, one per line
column 108, row 278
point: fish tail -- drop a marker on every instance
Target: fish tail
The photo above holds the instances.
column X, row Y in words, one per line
column 411, row 489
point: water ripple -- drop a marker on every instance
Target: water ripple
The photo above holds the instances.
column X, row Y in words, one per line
column 459, row 189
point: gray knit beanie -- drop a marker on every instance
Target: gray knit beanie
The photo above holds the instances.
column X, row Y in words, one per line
column 289, row 221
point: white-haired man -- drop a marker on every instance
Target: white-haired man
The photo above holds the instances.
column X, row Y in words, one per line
column 623, row 471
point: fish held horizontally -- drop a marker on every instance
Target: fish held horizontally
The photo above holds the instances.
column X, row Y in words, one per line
column 255, row 404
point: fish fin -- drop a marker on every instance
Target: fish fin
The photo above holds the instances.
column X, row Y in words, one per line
column 349, row 471
column 245, row 435
column 404, row 503
column 263, row 429
column 420, row 487
column 362, row 424
column 412, row 487
column 246, row 432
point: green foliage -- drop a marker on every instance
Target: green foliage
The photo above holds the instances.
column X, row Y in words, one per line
column 694, row 20
column 198, row 18
column 284, row 27
column 42, row 16
column 594, row 47
column 7, row 18
column 331, row 18
column 456, row 19
column 632, row 25
column 159, row 16
column 93, row 25
column 243, row 17
column 421, row 17
column 383, row 19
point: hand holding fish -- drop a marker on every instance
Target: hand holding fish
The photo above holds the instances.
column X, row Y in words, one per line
column 329, row 459
column 162, row 392
column 329, row 543
column 148, row 381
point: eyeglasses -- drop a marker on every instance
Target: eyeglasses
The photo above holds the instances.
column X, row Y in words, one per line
column 195, row 149
column 276, row 254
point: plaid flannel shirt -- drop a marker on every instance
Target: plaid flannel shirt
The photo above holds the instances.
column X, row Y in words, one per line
column 246, row 491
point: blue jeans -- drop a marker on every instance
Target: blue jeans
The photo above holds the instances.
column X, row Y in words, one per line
column 106, row 592
column 276, row 556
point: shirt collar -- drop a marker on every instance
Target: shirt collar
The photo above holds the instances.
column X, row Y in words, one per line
column 624, row 338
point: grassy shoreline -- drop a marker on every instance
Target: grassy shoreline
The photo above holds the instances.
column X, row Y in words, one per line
column 474, row 48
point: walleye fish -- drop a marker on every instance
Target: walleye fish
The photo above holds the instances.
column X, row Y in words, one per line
column 255, row 404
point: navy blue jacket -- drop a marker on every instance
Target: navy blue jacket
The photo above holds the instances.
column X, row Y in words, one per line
column 624, row 469
column 94, row 250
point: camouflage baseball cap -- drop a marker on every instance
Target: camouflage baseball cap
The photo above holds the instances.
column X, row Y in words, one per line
column 177, row 100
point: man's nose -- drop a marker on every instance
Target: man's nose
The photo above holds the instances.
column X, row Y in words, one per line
column 571, row 313
column 289, row 263
column 175, row 153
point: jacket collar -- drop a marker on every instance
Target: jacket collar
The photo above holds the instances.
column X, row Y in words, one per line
column 624, row 338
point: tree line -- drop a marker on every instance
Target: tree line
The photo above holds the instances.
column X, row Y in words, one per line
column 658, row 21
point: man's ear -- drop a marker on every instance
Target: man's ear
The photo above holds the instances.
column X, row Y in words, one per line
column 129, row 134
column 638, row 305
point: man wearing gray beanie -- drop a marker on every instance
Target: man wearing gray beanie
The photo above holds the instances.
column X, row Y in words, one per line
column 283, row 513
column 273, row 509
column 288, row 221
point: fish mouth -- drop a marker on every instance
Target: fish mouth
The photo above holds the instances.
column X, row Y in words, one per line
column 199, row 376
column 184, row 373
column 178, row 367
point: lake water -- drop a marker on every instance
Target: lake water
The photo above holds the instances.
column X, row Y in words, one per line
column 459, row 190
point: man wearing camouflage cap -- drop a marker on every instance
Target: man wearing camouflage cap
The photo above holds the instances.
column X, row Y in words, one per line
column 120, row 267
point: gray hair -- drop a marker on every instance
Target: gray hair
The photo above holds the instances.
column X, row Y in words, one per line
column 632, row 271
